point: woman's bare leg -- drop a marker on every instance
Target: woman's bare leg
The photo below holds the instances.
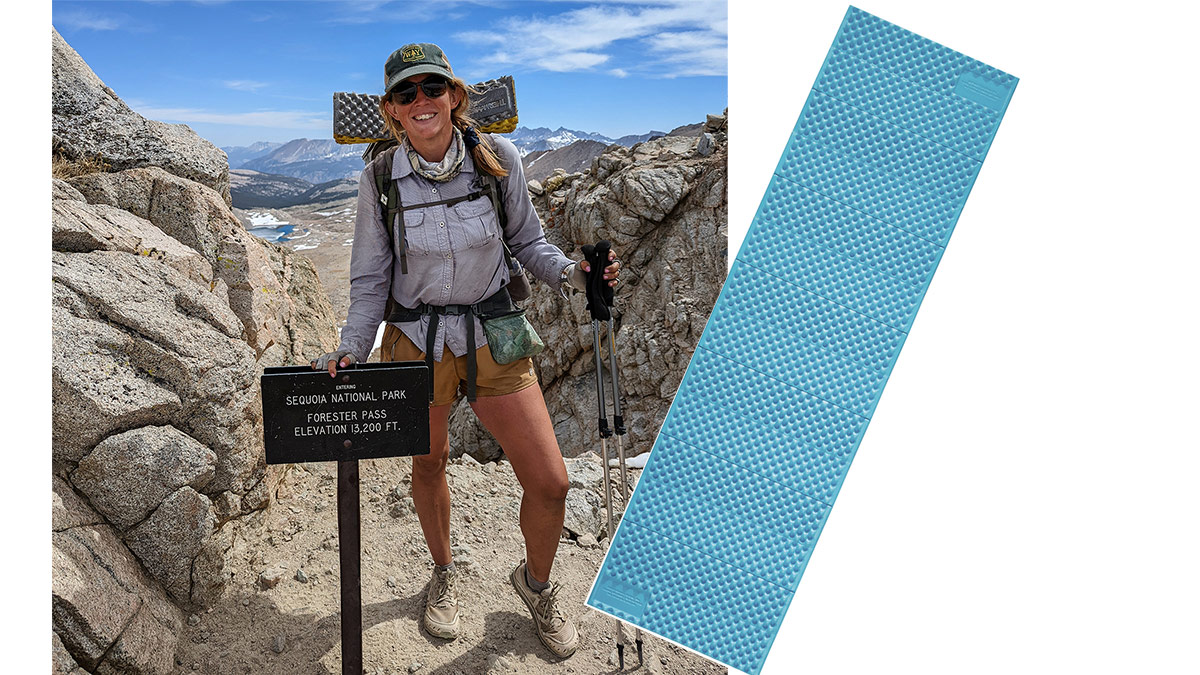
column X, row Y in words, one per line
column 430, row 493
column 520, row 423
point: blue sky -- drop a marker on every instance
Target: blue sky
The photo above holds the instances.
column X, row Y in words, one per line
column 239, row 72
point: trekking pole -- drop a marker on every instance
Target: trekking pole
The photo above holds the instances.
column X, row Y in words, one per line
column 599, row 299
column 618, row 420
column 615, row 380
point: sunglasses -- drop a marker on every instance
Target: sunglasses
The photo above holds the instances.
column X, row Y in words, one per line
column 432, row 86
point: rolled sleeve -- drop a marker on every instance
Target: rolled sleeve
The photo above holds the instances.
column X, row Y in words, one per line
column 523, row 232
column 370, row 271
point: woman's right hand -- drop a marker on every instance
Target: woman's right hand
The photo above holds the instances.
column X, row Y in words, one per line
column 334, row 360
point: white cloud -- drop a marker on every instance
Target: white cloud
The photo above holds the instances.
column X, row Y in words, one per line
column 565, row 63
column 244, row 85
column 619, row 72
column 84, row 20
column 691, row 53
column 279, row 119
column 581, row 39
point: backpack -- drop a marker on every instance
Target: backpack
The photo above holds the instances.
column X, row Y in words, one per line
column 389, row 198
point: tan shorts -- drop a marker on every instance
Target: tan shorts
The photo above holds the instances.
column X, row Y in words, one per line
column 450, row 374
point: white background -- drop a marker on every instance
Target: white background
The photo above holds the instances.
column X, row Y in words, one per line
column 1025, row 499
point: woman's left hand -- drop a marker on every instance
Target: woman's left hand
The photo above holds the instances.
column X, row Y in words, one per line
column 612, row 272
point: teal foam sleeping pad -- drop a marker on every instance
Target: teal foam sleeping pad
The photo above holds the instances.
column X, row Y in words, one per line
column 801, row 341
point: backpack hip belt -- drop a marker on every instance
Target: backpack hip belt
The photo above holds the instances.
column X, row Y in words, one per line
column 497, row 303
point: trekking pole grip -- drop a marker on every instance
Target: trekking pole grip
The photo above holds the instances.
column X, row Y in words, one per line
column 599, row 293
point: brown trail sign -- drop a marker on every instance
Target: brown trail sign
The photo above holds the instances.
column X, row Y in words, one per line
column 366, row 411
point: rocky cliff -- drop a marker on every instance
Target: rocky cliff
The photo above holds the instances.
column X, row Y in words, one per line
column 90, row 121
column 165, row 312
column 578, row 156
column 663, row 205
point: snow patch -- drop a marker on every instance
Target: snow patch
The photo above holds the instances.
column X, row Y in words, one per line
column 638, row 462
column 263, row 219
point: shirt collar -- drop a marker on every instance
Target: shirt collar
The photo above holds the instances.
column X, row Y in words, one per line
column 402, row 168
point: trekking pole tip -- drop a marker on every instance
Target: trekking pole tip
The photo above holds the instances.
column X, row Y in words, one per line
column 621, row 656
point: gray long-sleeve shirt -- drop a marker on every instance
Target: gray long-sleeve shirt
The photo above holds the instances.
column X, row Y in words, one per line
column 455, row 255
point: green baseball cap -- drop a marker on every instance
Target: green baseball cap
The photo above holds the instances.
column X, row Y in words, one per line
column 415, row 59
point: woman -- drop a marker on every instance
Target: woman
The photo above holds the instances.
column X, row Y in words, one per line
column 453, row 261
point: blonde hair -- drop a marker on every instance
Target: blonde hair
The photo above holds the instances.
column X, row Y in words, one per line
column 484, row 155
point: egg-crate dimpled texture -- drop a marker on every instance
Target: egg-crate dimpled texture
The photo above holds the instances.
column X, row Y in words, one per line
column 357, row 115
column 805, row 365
column 864, row 289
column 738, row 517
column 791, row 212
column 952, row 121
column 869, row 189
column 870, row 141
column 763, row 449
column 730, row 616
column 719, row 383
column 814, row 318
column 756, row 319
column 916, row 59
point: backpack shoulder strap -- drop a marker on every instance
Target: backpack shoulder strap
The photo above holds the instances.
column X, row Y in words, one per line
column 389, row 198
column 489, row 183
column 495, row 191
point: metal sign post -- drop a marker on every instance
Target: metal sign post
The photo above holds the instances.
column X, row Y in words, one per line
column 349, row 565
column 367, row 411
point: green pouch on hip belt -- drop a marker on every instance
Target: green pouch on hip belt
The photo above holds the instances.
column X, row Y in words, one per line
column 510, row 336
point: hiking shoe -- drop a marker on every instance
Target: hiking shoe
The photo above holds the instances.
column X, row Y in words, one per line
column 553, row 627
column 441, row 605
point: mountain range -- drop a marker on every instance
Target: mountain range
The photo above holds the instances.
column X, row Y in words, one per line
column 316, row 161
column 254, row 189
column 540, row 138
column 303, row 171
column 570, row 158
column 321, row 160
column 276, row 175
column 239, row 155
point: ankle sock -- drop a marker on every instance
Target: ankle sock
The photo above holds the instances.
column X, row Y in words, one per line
column 537, row 586
column 445, row 568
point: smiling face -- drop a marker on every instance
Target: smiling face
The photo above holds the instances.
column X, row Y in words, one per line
column 427, row 120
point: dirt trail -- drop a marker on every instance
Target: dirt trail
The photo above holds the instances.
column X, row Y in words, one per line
column 293, row 627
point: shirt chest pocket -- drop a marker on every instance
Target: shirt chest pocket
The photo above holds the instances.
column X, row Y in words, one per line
column 474, row 223
column 417, row 239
